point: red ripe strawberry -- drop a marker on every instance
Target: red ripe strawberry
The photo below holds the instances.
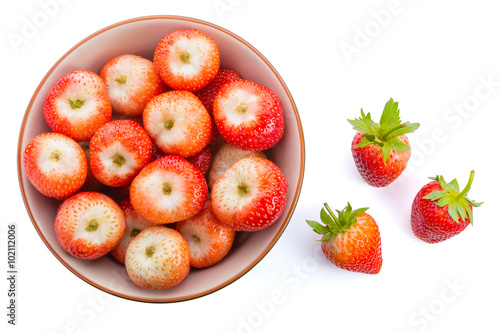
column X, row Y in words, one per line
column 201, row 160
column 55, row 164
column 248, row 115
column 167, row 190
column 91, row 183
column 225, row 157
column 351, row 239
column 134, row 224
column 131, row 81
column 77, row 105
column 157, row 258
column 89, row 225
column 440, row 210
column 177, row 123
column 381, row 151
column 187, row 59
column 207, row 94
column 118, row 151
column 250, row 195
column 209, row 240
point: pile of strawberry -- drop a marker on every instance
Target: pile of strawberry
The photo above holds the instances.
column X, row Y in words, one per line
column 159, row 163
column 381, row 151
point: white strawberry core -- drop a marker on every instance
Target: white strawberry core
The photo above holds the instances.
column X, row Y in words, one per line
column 89, row 107
column 68, row 157
column 174, row 113
column 233, row 104
column 107, row 156
column 245, row 175
column 197, row 239
column 106, row 220
column 153, row 188
column 196, row 48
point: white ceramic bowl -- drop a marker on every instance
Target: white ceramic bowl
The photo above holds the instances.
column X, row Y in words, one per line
column 140, row 36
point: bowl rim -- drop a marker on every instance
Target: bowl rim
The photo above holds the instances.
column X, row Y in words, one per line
column 294, row 198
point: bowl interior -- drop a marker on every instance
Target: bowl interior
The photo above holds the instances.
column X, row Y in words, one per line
column 140, row 36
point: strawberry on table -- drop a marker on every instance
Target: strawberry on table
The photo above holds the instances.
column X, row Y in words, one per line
column 225, row 157
column 248, row 115
column 118, row 151
column 381, row 151
column 209, row 240
column 178, row 123
column 77, row 105
column 250, row 195
column 157, row 258
column 169, row 189
column 89, row 225
column 131, row 81
column 351, row 239
column 134, row 224
column 187, row 59
column 441, row 211
column 55, row 164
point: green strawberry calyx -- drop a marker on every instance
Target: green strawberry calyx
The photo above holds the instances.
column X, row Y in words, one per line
column 335, row 224
column 385, row 133
column 459, row 206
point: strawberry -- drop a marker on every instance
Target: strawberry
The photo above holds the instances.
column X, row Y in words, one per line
column 91, row 183
column 55, row 164
column 178, row 123
column 208, row 93
column 201, row 160
column 89, row 225
column 187, row 59
column 131, row 81
column 118, row 151
column 209, row 240
column 250, row 195
column 77, row 105
column 248, row 115
column 157, row 258
column 226, row 156
column 381, row 151
column 134, row 224
column 351, row 239
column 167, row 190
column 440, row 210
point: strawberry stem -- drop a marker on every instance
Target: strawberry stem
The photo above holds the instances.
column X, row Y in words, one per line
column 118, row 160
column 243, row 189
column 122, row 79
column 134, row 232
column 467, row 187
column 150, row 250
column 166, row 188
column 384, row 137
column 242, row 108
column 92, row 226
column 55, row 155
column 75, row 104
column 169, row 124
column 185, row 57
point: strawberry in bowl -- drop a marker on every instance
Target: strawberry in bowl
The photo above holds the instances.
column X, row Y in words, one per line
column 144, row 36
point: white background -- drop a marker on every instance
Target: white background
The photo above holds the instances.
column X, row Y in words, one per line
column 439, row 59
